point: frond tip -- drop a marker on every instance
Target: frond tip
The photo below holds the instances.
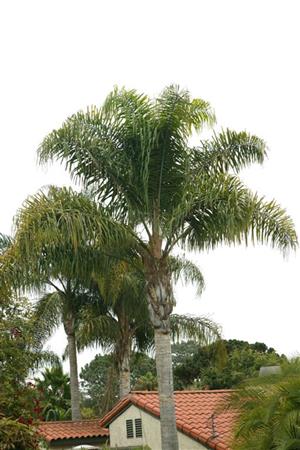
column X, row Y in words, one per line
column 186, row 270
column 201, row 329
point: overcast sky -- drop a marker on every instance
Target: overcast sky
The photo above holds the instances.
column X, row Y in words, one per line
column 58, row 56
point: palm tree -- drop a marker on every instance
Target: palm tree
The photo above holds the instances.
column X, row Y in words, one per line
column 134, row 154
column 65, row 305
column 269, row 411
column 53, row 264
column 122, row 323
column 55, row 387
column 125, row 325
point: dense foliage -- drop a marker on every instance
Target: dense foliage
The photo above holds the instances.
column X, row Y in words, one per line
column 17, row 436
column 269, row 411
column 54, row 388
column 100, row 381
column 220, row 365
column 20, row 353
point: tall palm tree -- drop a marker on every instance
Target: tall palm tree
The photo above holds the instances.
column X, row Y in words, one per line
column 269, row 411
column 134, row 153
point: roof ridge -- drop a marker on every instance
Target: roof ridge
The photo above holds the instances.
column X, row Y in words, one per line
column 69, row 421
column 186, row 391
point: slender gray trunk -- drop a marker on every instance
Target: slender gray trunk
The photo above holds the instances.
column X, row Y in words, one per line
column 125, row 373
column 169, row 437
column 123, row 350
column 161, row 301
column 74, row 385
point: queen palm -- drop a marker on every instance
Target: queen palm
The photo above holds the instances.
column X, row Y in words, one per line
column 51, row 263
column 65, row 304
column 134, row 153
column 126, row 324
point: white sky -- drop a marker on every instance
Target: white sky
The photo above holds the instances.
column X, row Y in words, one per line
column 58, row 56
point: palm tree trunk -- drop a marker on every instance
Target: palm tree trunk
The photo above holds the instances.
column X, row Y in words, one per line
column 163, row 358
column 123, row 350
column 125, row 373
column 74, row 385
column 161, row 301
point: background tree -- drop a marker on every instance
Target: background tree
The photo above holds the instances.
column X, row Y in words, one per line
column 20, row 354
column 100, row 380
column 220, row 365
column 135, row 154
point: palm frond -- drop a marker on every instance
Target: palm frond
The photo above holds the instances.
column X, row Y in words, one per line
column 201, row 329
column 47, row 315
column 182, row 268
column 5, row 242
column 228, row 150
column 60, row 232
column 96, row 331
column 226, row 212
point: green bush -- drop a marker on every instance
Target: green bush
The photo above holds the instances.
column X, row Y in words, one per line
column 17, row 436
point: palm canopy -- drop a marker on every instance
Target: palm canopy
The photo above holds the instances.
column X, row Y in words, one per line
column 58, row 235
column 124, row 294
column 134, row 153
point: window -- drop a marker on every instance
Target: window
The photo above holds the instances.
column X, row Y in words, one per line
column 137, row 426
column 129, row 428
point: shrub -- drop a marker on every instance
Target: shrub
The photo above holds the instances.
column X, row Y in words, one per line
column 17, row 436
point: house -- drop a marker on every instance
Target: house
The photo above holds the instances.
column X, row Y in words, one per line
column 65, row 435
column 200, row 420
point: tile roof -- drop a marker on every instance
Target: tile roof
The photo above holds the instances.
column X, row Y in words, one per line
column 52, row 431
column 198, row 414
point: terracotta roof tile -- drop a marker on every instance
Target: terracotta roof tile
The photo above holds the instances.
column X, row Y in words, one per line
column 198, row 413
column 53, row 431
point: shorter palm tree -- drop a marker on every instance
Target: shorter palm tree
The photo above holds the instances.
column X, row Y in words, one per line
column 269, row 411
column 54, row 257
column 65, row 305
column 54, row 387
column 125, row 325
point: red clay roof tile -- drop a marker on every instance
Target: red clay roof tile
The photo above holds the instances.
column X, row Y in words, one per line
column 199, row 414
column 53, row 431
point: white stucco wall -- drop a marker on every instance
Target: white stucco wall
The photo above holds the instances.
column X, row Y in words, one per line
column 151, row 432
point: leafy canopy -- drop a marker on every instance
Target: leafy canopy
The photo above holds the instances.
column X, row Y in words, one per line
column 134, row 154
